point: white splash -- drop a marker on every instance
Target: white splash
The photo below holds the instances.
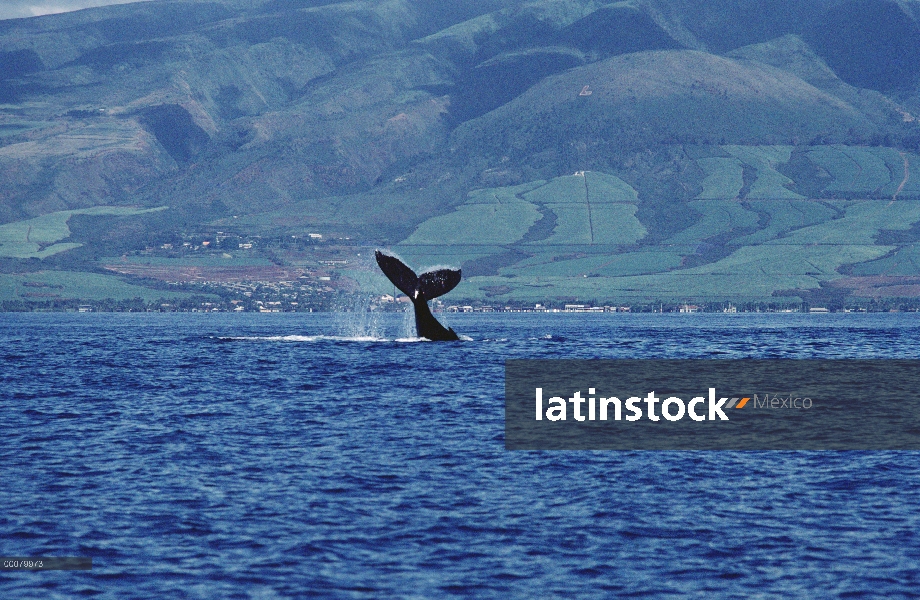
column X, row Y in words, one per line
column 318, row 338
column 357, row 321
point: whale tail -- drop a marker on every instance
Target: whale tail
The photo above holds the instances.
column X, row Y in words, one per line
column 428, row 285
column 420, row 289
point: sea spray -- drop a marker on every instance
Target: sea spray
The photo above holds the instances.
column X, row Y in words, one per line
column 357, row 320
column 408, row 322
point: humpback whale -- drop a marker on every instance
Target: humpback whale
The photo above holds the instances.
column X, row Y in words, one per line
column 420, row 289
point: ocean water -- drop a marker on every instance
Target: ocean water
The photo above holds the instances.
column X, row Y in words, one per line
column 335, row 456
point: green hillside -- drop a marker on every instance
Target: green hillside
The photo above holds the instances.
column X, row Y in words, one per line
column 758, row 247
column 677, row 96
column 664, row 151
column 35, row 238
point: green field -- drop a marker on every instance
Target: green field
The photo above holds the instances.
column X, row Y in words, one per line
column 786, row 242
column 51, row 285
column 901, row 262
column 718, row 216
column 754, row 272
column 724, row 178
column 504, row 220
column 573, row 225
column 669, row 287
column 873, row 171
column 603, row 187
column 616, row 224
column 860, row 224
column 770, row 183
column 787, row 260
column 569, row 189
column 854, row 170
column 784, row 216
column 35, row 238
column 502, row 194
column 609, row 224
column 609, row 264
column 589, row 208
column 802, row 260
column 895, row 161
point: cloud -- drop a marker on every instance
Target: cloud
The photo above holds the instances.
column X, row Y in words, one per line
column 16, row 9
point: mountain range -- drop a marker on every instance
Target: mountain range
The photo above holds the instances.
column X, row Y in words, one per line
column 638, row 151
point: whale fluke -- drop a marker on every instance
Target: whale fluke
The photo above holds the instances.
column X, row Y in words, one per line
column 432, row 284
column 421, row 289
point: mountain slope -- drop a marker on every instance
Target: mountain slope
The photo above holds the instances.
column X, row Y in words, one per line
column 371, row 119
column 667, row 97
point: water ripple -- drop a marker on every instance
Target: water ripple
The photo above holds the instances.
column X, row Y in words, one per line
column 206, row 456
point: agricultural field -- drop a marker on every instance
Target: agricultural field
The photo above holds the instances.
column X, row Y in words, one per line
column 610, row 264
column 573, row 225
column 724, row 178
column 750, row 273
column 503, row 194
column 615, row 224
column 820, row 239
column 854, row 170
column 588, row 208
column 503, row 221
column 669, row 287
column 38, row 237
column 784, row 216
column 718, row 217
column 53, row 285
column 860, row 224
column 773, row 240
column 904, row 261
column 770, row 183
column 905, row 170
column 603, row 187
column 842, row 172
column 866, row 172
column 569, row 189
column 773, row 260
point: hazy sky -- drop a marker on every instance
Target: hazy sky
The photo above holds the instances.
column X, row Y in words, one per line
column 13, row 9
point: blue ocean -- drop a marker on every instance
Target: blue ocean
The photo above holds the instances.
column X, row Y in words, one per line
column 336, row 456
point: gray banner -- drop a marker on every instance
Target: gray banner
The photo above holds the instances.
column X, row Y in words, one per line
column 45, row 563
column 712, row 404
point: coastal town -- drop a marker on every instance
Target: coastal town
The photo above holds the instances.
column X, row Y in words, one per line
column 224, row 271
